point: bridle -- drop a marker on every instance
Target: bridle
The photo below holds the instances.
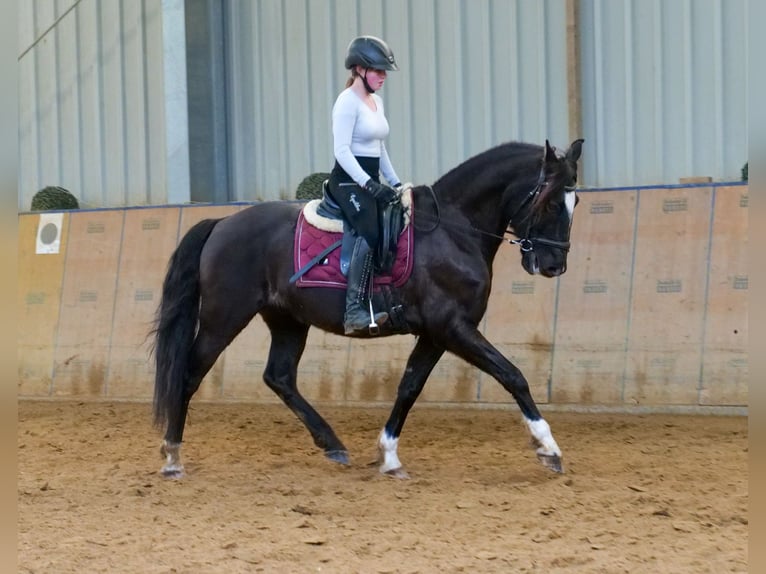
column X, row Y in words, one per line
column 526, row 244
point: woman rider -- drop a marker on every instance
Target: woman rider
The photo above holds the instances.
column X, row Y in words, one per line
column 359, row 127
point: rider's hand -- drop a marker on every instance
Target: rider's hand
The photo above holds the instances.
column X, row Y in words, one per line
column 382, row 193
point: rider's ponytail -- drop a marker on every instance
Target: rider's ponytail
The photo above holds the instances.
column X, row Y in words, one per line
column 352, row 77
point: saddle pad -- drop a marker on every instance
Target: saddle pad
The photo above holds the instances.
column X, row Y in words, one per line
column 310, row 241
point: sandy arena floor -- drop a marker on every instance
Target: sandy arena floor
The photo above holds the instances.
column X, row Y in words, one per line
column 652, row 493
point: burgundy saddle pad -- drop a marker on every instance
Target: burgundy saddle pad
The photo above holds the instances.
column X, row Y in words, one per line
column 310, row 241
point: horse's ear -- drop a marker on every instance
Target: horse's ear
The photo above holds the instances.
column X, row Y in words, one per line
column 550, row 153
column 574, row 151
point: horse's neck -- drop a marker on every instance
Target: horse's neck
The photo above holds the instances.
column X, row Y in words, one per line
column 481, row 201
column 468, row 221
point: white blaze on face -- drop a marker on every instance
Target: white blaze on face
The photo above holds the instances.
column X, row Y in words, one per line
column 569, row 200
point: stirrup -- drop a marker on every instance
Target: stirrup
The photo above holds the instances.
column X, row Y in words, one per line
column 373, row 327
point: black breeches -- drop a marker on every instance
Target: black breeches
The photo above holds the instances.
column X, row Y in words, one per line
column 359, row 208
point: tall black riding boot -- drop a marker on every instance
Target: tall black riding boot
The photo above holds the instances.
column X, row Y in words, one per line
column 358, row 317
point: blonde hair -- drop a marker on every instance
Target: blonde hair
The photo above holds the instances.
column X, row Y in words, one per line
column 352, row 77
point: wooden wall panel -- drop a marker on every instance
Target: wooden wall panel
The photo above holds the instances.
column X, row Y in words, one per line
column 81, row 357
column 38, row 304
column 322, row 372
column 191, row 214
column 594, row 301
column 725, row 356
column 452, row 380
column 652, row 311
column 668, row 296
column 519, row 322
column 149, row 240
column 374, row 368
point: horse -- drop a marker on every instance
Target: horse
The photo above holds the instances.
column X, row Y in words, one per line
column 225, row 271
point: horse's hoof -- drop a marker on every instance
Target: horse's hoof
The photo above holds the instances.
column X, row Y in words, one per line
column 339, row 456
column 552, row 461
column 399, row 473
column 173, row 472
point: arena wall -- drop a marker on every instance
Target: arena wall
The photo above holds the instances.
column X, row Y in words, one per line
column 652, row 312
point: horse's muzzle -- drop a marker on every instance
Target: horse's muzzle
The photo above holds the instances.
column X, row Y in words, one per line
column 531, row 261
column 553, row 271
column 533, row 265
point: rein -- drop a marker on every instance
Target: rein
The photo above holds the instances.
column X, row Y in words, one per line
column 526, row 244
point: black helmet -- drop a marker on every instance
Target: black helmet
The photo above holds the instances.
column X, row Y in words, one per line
column 370, row 52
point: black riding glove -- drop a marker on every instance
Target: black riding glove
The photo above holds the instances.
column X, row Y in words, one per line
column 382, row 193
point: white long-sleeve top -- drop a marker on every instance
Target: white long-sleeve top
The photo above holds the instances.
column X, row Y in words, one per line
column 359, row 131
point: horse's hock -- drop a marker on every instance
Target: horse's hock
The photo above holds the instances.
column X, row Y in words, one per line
column 669, row 332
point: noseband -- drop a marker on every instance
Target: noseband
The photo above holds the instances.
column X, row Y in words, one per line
column 527, row 244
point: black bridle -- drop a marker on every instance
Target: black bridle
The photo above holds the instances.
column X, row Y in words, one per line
column 526, row 244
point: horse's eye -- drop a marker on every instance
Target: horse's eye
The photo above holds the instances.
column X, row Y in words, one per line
column 553, row 207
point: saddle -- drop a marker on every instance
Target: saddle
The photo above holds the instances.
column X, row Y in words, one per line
column 323, row 244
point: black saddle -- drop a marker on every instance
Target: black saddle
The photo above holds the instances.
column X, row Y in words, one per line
column 390, row 226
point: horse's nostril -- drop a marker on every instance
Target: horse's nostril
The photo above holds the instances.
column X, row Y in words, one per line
column 554, row 271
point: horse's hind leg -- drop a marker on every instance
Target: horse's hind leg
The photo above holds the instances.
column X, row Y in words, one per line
column 422, row 360
column 288, row 340
column 205, row 351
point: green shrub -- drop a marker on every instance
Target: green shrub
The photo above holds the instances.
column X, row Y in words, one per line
column 744, row 172
column 311, row 186
column 54, row 198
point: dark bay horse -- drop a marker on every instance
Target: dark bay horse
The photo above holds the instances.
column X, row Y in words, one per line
column 225, row 271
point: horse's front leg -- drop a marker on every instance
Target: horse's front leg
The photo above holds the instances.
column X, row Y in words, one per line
column 288, row 340
column 422, row 360
column 470, row 344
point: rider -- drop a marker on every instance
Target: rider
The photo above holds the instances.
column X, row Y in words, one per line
column 359, row 127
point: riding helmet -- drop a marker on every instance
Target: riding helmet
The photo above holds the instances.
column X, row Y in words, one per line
column 370, row 52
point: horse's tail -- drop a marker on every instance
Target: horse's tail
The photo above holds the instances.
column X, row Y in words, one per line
column 175, row 323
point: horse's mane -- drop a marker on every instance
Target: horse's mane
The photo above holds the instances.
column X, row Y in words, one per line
column 512, row 151
column 520, row 162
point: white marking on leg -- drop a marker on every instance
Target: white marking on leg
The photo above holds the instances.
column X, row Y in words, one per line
column 387, row 446
column 541, row 433
column 172, row 453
